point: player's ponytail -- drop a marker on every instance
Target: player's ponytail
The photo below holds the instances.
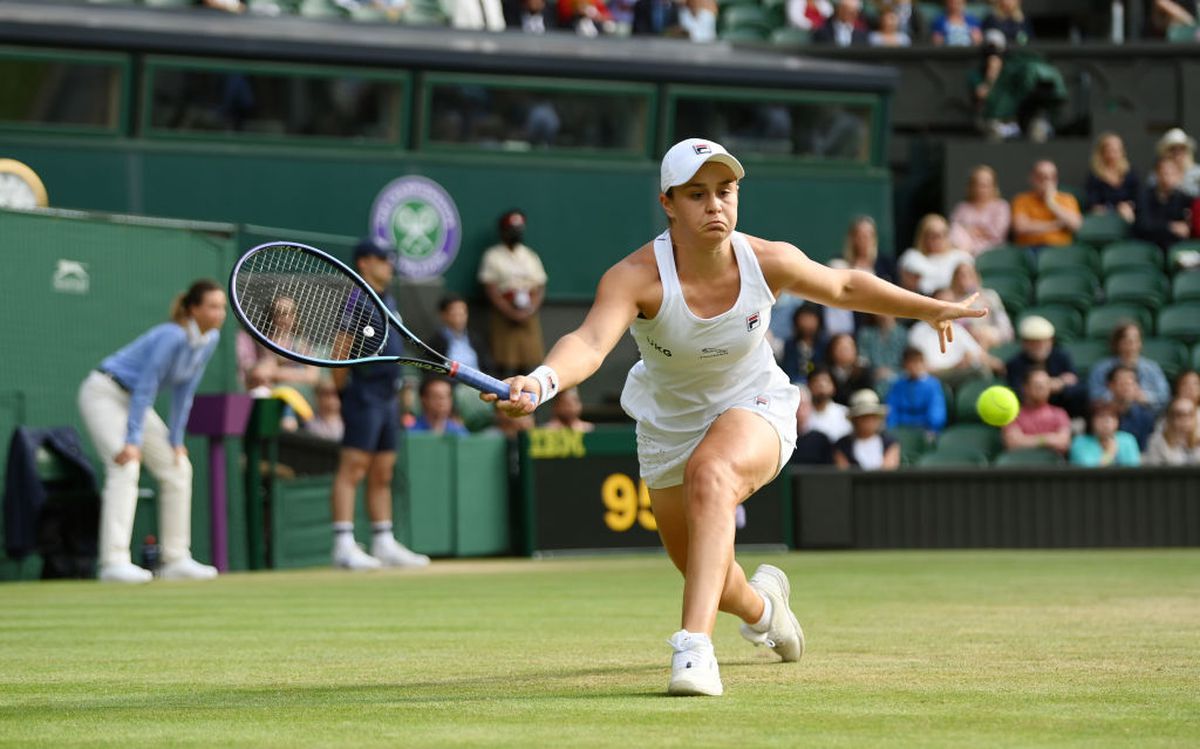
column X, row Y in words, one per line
column 183, row 304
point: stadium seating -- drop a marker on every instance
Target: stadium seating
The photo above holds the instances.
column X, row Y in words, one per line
column 952, row 458
column 1006, row 351
column 1186, row 287
column 979, row 437
column 1085, row 352
column 1196, row 357
column 1146, row 287
column 746, row 19
column 1068, row 322
column 1181, row 322
column 1008, row 258
column 1014, row 291
column 1071, row 258
column 914, row 442
column 965, row 396
column 1102, row 320
column 1076, row 290
column 789, row 36
column 1035, row 456
column 1171, row 355
column 1100, row 229
column 320, row 9
column 1183, row 34
column 1182, row 248
column 1132, row 254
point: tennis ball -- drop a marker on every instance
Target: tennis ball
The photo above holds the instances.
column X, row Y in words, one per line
column 997, row 405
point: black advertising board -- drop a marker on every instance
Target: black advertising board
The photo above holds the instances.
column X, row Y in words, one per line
column 582, row 492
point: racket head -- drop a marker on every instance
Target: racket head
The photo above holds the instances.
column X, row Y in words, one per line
column 336, row 318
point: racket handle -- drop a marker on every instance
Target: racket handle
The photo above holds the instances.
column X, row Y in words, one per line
column 484, row 382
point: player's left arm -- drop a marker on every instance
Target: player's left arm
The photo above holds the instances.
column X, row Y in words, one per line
column 786, row 267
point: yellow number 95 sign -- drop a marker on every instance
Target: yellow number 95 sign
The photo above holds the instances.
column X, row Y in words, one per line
column 626, row 503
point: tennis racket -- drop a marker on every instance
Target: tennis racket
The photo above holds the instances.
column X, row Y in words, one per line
column 336, row 318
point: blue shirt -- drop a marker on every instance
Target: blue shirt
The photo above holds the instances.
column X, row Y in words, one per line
column 162, row 356
column 1150, row 376
column 459, row 349
column 917, row 403
column 957, row 35
column 1086, row 451
column 452, row 427
column 375, row 381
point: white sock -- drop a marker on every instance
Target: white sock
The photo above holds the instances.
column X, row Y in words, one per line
column 382, row 528
column 764, row 622
column 697, row 638
column 343, row 535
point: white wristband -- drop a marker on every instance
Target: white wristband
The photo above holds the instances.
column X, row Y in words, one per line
column 547, row 379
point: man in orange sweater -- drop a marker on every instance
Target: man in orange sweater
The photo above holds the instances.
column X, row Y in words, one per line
column 1045, row 217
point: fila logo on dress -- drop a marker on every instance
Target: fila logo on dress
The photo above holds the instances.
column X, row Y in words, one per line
column 753, row 321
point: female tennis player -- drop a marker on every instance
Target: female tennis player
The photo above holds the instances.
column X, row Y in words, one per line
column 715, row 414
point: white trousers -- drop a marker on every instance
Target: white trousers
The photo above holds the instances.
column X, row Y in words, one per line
column 105, row 409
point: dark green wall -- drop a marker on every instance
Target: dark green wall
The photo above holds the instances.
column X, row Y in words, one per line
column 584, row 213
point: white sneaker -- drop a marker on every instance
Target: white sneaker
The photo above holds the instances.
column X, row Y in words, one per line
column 187, row 569
column 352, row 557
column 694, row 668
column 392, row 553
column 783, row 634
column 124, row 573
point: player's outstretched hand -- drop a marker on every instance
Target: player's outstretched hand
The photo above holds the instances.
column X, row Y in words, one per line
column 948, row 313
column 519, row 401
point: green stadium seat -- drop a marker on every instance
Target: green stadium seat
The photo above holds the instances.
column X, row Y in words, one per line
column 746, row 16
column 1004, row 258
column 1072, row 258
column 1179, row 34
column 1186, row 287
column 1101, row 320
column 163, row 3
column 914, row 442
column 1131, row 254
column 1067, row 322
column 1146, row 287
column 1036, row 456
column 1181, row 322
column 790, row 36
column 1014, row 290
column 1070, row 289
column 1085, row 352
column 965, row 396
column 953, row 459
column 1196, row 357
column 1182, row 249
column 981, row 437
column 1006, row 351
column 321, row 9
column 1100, row 229
column 1171, row 355
column 745, row 35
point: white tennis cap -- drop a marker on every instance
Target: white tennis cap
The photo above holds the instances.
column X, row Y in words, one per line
column 686, row 157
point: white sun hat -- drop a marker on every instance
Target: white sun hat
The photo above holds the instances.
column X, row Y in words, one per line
column 686, row 157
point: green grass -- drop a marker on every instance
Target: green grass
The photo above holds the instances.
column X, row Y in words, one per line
column 953, row 649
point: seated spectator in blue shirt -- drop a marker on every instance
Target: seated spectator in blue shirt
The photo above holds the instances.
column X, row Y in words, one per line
column 1126, row 343
column 917, row 398
column 655, row 17
column 437, row 408
column 1038, row 349
column 956, row 27
column 1104, row 445
column 1135, row 418
column 1163, row 211
column 453, row 340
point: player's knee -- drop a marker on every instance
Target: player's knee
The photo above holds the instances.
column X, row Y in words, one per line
column 710, row 484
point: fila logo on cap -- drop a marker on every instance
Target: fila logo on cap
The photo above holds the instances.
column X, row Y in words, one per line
column 701, row 148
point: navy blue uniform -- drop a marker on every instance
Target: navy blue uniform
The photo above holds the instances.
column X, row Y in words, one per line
column 370, row 409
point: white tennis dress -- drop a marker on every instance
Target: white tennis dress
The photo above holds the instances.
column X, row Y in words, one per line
column 694, row 369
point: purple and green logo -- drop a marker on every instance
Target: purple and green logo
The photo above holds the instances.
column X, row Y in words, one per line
column 419, row 219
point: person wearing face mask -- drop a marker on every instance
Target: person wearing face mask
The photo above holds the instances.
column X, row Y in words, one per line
column 515, row 283
column 116, row 401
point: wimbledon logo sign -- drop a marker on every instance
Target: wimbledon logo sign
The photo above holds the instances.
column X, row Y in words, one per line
column 419, row 218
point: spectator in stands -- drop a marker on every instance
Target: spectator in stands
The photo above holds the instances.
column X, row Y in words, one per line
column 1182, row 148
column 1112, row 186
column 990, row 331
column 980, row 222
column 1176, row 442
column 515, row 283
column 229, row 6
column 259, row 366
column 860, row 250
column 889, row 34
column 1104, row 445
column 804, row 349
column 1045, row 217
column 1038, row 349
column 912, row 22
column 1125, row 342
column 453, row 340
column 1164, row 213
column 882, row 342
column 530, row 16
column 916, row 399
column 478, row 15
column 827, row 416
column 567, row 413
column 813, row 447
column 956, row 27
column 850, row 371
column 588, row 18
column 327, row 417
column 437, row 408
column 930, row 264
column 1187, row 385
column 1125, row 394
column 965, row 360
column 809, row 15
column 1007, row 17
column 867, row 447
column 1162, row 15
column 845, row 27
column 698, row 19
column 1039, row 424
column 655, row 17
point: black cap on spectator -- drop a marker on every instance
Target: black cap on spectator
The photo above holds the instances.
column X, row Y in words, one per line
column 368, row 247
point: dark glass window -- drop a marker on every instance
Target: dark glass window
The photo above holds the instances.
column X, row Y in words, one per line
column 268, row 104
column 522, row 119
column 66, row 93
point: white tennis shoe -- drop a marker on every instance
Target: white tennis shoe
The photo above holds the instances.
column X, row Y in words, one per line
column 187, row 569
column 127, row 573
column 694, row 670
column 392, row 553
column 352, row 557
column 783, row 633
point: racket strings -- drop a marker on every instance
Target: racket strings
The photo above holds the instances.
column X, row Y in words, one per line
column 331, row 317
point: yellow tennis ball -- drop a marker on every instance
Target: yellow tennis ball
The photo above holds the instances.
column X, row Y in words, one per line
column 997, row 405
